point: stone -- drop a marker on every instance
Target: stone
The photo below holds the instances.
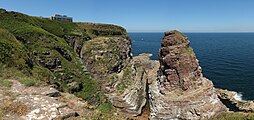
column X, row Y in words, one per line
column 74, row 86
column 70, row 115
column 76, row 42
column 236, row 104
column 39, row 106
column 50, row 63
column 54, row 94
column 180, row 90
column 63, row 52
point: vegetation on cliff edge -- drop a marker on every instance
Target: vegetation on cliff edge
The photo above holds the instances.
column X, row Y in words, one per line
column 35, row 50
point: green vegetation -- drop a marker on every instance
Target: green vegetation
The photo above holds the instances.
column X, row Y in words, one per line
column 189, row 51
column 10, row 73
column 106, row 107
column 124, row 82
column 29, row 82
column 90, row 91
column 94, row 30
column 104, row 53
column 37, row 51
column 179, row 34
column 5, row 83
column 12, row 52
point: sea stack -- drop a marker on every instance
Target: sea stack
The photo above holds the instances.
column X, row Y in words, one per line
column 181, row 91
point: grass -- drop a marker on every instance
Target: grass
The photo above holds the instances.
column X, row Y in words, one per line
column 10, row 73
column 90, row 92
column 12, row 52
column 5, row 83
column 179, row 34
column 124, row 82
column 25, row 39
column 11, row 107
column 95, row 30
column 106, row 107
column 29, row 82
column 105, row 111
column 189, row 51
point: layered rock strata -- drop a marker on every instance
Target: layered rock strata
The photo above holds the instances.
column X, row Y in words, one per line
column 233, row 101
column 122, row 77
column 181, row 91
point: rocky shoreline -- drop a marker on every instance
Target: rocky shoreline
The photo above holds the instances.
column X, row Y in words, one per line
column 234, row 103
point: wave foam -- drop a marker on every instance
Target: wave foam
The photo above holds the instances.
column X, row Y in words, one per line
column 238, row 96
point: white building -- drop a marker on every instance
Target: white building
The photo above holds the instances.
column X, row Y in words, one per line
column 62, row 18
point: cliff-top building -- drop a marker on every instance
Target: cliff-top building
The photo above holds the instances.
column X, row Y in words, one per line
column 62, row 18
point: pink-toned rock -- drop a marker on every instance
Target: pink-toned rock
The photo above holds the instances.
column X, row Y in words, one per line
column 181, row 91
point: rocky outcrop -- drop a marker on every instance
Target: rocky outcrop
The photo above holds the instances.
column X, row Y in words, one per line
column 105, row 55
column 233, row 101
column 134, row 97
column 181, row 91
column 76, row 41
column 122, row 78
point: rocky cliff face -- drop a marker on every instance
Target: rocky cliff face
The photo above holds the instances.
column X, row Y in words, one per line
column 94, row 60
column 180, row 91
column 122, row 78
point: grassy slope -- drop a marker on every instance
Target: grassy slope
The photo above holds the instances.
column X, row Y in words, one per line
column 24, row 40
column 12, row 52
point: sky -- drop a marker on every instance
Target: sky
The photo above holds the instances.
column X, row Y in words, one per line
column 148, row 15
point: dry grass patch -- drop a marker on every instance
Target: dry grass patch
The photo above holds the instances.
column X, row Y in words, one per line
column 13, row 107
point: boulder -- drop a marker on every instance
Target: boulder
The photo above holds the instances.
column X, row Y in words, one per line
column 63, row 52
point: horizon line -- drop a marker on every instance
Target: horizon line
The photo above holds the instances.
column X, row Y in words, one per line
column 193, row 32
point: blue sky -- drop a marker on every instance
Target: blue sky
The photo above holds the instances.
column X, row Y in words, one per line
column 148, row 15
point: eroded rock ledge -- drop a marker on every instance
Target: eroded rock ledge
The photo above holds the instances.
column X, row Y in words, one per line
column 232, row 101
column 181, row 91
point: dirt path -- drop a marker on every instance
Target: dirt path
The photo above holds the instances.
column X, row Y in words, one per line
column 38, row 103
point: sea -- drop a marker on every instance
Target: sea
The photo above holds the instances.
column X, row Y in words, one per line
column 227, row 59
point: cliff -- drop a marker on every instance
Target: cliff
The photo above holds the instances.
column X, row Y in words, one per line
column 181, row 91
column 53, row 61
column 92, row 61
column 39, row 51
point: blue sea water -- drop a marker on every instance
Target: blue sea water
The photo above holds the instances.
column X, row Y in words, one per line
column 226, row 58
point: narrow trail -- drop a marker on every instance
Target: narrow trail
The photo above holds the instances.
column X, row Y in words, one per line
column 39, row 103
